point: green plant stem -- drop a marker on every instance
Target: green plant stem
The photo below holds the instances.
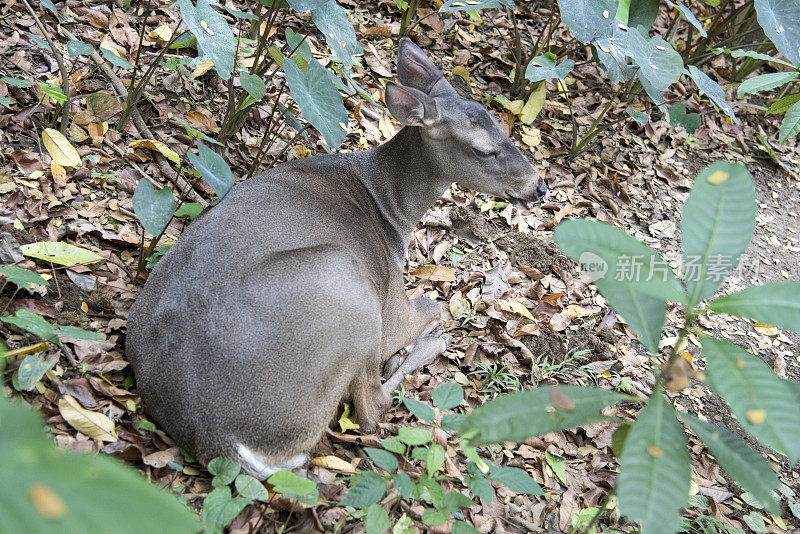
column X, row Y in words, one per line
column 408, row 14
column 286, row 148
column 520, row 59
column 591, row 132
column 141, row 40
column 66, row 89
column 550, row 25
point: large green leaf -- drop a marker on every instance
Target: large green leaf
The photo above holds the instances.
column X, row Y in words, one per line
column 680, row 6
column 35, row 324
column 331, row 19
column 318, row 99
column 544, row 67
column 790, row 126
column 79, row 48
column 764, row 405
column 634, row 279
column 213, row 169
column 654, row 471
column 659, row 64
column 765, row 82
column 780, row 20
column 679, row 117
column 447, row 396
column 369, row 487
column 712, row 90
column 154, row 208
column 22, row 278
column 32, row 369
column 642, row 13
column 612, row 51
column 59, row 253
column 45, row 490
column 220, row 508
column 717, row 225
column 295, row 487
column 515, row 479
column 748, row 468
column 588, row 19
column 519, row 415
column 214, row 36
column 776, row 303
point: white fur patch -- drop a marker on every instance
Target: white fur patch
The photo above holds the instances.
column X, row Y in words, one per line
column 253, row 463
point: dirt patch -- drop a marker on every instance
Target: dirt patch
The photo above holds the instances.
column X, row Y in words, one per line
column 547, row 343
column 597, row 343
column 531, row 251
column 471, row 225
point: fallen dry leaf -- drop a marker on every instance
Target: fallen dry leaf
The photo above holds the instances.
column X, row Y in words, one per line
column 93, row 424
column 60, row 148
column 436, row 273
column 158, row 146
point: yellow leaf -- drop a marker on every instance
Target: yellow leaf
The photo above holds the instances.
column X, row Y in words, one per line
column 532, row 137
column 516, row 307
column 158, row 146
column 60, row 253
column 573, row 310
column 717, row 177
column 515, row 106
column 345, row 423
column 655, row 452
column 84, row 307
column 162, row 33
column 534, row 105
column 60, row 148
column 202, row 68
column 386, row 127
column 756, row 416
column 93, row 424
column 436, row 273
column 110, row 45
column 333, row 463
column 47, row 502
column 58, row 172
column 766, row 329
column 462, row 71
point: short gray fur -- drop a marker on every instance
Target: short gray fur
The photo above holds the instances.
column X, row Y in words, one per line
column 286, row 297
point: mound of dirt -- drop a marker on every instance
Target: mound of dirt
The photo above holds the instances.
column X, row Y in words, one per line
column 526, row 249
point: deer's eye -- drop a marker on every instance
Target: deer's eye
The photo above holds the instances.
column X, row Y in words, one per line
column 484, row 155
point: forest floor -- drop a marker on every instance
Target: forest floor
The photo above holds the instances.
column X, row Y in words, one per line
column 634, row 177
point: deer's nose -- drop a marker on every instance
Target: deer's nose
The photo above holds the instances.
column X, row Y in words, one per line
column 541, row 189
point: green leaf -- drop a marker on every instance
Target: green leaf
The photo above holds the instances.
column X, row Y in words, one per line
column 434, row 517
column 49, row 5
column 403, row 485
column 515, row 479
column 220, row 508
column 775, row 303
column 780, row 20
column 544, row 67
column 765, row 82
column 748, row 468
column 680, row 6
column 654, row 473
column 299, row 44
column 83, row 493
column 383, row 459
column 783, row 105
column 434, row 459
column 154, row 208
column 59, row 253
column 452, row 421
column 634, row 278
column 22, row 278
column 393, row 446
column 33, row 323
column 32, row 369
column 639, row 116
column 453, row 501
column 377, row 519
column 40, row 42
column 79, row 48
column 712, row 90
column 73, row 332
column 331, row 19
column 369, row 488
column 716, row 226
column 679, row 117
column 214, row 36
column 53, row 90
column 295, row 487
column 519, row 415
column 189, row 209
column 420, row 409
column 318, row 99
column 462, row 527
column 752, row 54
column 212, row 168
column 558, row 465
column 790, row 126
column 196, row 133
column 755, row 521
column 16, row 82
column 254, row 85
column 224, row 470
column 414, row 436
column 419, row 453
column 447, row 396
column 764, row 405
column 473, row 5
column 5, row 102
column 612, row 50
column 114, row 59
column 659, row 64
column 251, row 488
column 641, row 13
column 588, row 19
column 481, row 488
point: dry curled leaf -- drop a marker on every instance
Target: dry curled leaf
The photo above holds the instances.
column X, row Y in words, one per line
column 60, row 148
column 333, row 463
column 159, row 147
column 436, row 273
column 93, row 424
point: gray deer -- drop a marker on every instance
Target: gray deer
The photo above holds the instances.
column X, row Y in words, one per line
column 287, row 297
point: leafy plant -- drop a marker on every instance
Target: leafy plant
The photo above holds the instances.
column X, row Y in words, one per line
column 415, row 447
column 717, row 225
column 495, row 378
column 44, row 489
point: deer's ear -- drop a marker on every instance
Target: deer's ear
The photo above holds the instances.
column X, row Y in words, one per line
column 415, row 69
column 410, row 106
